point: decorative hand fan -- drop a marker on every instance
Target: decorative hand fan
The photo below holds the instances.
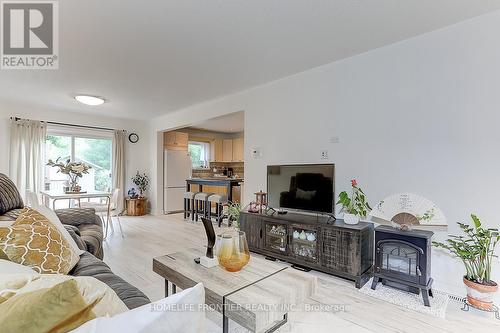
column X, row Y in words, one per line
column 407, row 209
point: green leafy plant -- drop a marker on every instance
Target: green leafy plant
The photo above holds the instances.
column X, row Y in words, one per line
column 142, row 182
column 355, row 204
column 233, row 213
column 475, row 249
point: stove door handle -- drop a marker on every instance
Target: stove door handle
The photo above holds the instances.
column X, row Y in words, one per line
column 419, row 272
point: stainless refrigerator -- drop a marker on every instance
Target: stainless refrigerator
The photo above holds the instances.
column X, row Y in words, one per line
column 177, row 168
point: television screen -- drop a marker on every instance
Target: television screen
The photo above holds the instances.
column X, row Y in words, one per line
column 308, row 187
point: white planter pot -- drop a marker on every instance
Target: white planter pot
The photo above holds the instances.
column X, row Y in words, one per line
column 351, row 218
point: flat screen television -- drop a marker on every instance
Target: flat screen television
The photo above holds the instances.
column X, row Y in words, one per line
column 303, row 187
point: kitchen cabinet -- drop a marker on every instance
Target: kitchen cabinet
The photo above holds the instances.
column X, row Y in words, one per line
column 238, row 150
column 227, row 150
column 214, row 189
column 217, row 150
column 176, row 140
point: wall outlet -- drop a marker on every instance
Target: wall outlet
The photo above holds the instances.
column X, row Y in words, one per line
column 334, row 139
column 256, row 152
column 324, row 154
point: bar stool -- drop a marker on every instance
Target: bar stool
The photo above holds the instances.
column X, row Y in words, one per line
column 201, row 204
column 220, row 200
column 189, row 205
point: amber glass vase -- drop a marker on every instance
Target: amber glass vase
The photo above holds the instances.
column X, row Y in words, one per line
column 232, row 250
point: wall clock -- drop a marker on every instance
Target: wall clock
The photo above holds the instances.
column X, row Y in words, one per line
column 133, row 137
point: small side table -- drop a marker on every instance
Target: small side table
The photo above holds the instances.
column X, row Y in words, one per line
column 136, row 207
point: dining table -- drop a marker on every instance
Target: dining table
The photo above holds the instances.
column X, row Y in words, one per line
column 57, row 195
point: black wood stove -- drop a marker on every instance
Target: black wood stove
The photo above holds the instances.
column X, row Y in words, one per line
column 403, row 260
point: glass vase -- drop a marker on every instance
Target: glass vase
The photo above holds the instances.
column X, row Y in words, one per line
column 231, row 248
column 73, row 184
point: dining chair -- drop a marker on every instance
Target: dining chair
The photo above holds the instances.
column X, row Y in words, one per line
column 113, row 211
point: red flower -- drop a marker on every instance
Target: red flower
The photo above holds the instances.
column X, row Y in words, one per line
column 354, row 183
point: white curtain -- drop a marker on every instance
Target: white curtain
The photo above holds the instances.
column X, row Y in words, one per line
column 119, row 141
column 27, row 153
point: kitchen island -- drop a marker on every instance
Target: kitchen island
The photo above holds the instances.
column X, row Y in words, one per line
column 209, row 183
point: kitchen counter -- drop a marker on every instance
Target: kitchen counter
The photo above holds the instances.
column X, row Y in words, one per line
column 215, row 179
column 228, row 183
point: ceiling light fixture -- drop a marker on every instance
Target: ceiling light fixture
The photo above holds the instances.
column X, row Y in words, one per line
column 90, row 100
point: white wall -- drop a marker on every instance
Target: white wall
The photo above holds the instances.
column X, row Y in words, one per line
column 137, row 154
column 420, row 116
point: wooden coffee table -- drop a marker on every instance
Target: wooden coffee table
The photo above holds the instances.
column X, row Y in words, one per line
column 257, row 297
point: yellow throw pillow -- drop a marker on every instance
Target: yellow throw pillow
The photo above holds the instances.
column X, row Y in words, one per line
column 93, row 291
column 57, row 309
column 33, row 241
column 32, row 217
column 3, row 256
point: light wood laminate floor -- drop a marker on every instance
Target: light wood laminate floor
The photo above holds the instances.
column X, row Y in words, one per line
column 151, row 236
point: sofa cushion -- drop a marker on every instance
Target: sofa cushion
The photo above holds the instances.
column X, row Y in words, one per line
column 11, row 215
column 9, row 195
column 89, row 227
column 91, row 266
column 74, row 232
column 92, row 235
column 77, row 216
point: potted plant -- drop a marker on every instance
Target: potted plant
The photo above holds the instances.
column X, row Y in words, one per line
column 233, row 214
column 476, row 250
column 142, row 182
column 74, row 170
column 355, row 206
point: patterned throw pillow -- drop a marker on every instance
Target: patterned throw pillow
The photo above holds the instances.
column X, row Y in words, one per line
column 33, row 241
column 9, row 195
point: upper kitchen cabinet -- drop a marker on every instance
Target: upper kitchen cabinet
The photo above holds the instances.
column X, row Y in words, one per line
column 176, row 140
column 238, row 150
column 217, row 152
column 227, row 150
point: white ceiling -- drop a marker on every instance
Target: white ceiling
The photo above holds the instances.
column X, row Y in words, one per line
column 229, row 123
column 152, row 57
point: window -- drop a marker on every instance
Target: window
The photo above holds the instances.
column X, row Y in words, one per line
column 200, row 154
column 95, row 151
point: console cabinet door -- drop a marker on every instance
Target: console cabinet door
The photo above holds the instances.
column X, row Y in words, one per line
column 275, row 237
column 340, row 250
column 303, row 243
column 252, row 226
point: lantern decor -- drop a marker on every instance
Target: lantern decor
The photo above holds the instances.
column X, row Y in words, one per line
column 260, row 204
column 261, row 200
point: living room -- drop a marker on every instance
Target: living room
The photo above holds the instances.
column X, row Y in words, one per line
column 401, row 99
